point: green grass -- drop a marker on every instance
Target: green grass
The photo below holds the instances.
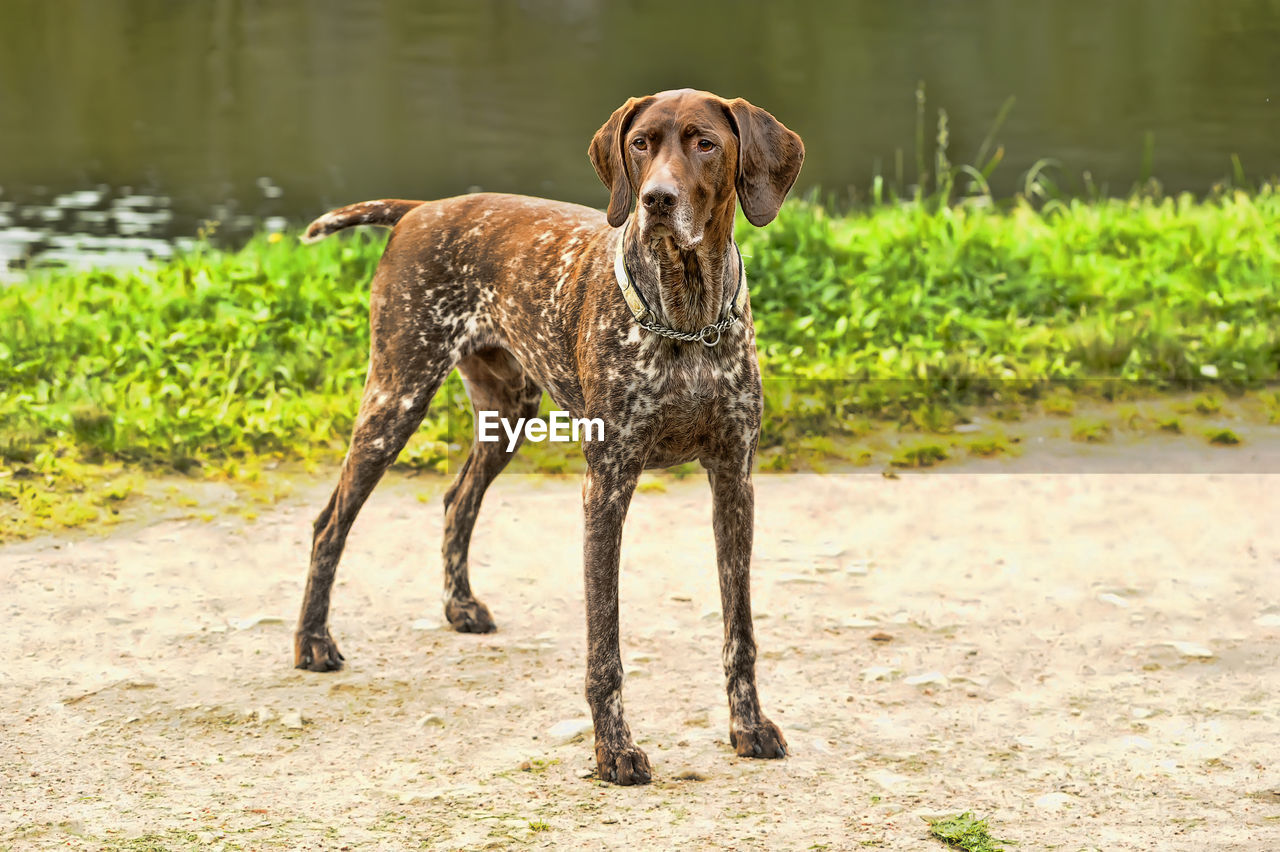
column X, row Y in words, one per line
column 920, row 454
column 965, row 832
column 1208, row 404
column 906, row 311
column 989, row 446
column 1090, row 430
column 974, row 299
column 1223, row 437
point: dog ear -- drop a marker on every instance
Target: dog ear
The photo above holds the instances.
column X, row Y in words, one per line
column 606, row 154
column 769, row 159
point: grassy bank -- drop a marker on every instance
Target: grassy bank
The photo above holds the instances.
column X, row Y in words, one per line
column 911, row 311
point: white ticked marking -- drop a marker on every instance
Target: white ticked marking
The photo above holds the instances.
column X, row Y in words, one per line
column 730, row 654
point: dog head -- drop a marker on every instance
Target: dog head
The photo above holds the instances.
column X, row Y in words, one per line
column 687, row 155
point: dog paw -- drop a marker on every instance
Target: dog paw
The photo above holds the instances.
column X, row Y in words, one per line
column 764, row 740
column 316, row 652
column 624, row 766
column 469, row 616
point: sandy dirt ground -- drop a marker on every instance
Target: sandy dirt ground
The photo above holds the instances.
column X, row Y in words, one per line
column 1091, row 661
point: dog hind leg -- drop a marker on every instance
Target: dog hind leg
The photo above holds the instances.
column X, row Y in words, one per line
column 495, row 382
column 391, row 409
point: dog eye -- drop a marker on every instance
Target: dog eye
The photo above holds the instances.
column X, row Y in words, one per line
column 705, row 145
column 640, row 143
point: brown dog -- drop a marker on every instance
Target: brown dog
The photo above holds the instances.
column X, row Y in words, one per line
column 643, row 324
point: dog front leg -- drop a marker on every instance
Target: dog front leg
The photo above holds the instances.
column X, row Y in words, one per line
column 606, row 494
column 733, row 509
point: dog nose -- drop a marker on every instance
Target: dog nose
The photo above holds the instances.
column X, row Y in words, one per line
column 659, row 197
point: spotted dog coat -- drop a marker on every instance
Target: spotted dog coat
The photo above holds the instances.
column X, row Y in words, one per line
column 520, row 295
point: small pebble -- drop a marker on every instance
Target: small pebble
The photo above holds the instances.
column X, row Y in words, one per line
column 1053, row 801
column 570, row 728
column 874, row 673
column 254, row 621
column 926, row 678
column 1190, row 649
column 888, row 780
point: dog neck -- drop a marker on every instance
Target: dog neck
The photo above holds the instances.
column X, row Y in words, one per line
column 686, row 289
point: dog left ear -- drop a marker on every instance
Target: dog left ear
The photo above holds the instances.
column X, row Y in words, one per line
column 769, row 159
column 606, row 157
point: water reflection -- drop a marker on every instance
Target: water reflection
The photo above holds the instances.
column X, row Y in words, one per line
column 255, row 112
column 115, row 227
column 86, row 228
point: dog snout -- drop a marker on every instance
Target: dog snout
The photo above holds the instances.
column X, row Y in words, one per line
column 659, row 197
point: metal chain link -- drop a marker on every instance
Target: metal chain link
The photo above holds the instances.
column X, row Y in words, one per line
column 704, row 336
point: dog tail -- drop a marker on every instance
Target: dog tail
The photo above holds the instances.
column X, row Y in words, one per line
column 386, row 213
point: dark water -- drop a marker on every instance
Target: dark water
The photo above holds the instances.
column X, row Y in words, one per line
column 126, row 123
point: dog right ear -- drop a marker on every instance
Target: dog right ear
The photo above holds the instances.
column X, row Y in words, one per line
column 606, row 156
